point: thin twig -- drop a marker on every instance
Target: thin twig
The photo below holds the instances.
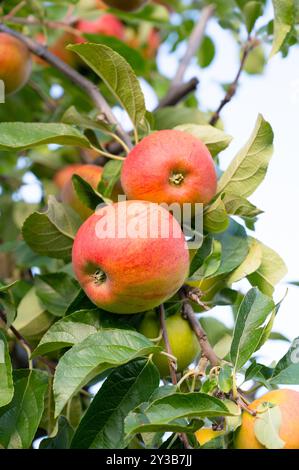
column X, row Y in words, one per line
column 189, row 314
column 15, row 10
column 248, row 47
column 193, row 44
column 172, row 366
column 24, row 342
column 172, row 369
column 75, row 77
column 31, row 21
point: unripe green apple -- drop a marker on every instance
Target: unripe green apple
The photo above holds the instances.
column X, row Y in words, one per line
column 183, row 342
column 126, row 5
column 15, row 63
column 170, row 166
column 288, row 402
column 130, row 257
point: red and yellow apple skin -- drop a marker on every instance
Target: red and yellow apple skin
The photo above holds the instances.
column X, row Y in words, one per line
column 126, row 5
column 288, row 402
column 170, row 166
column 92, row 174
column 107, row 24
column 124, row 274
column 15, row 63
column 183, row 342
column 64, row 175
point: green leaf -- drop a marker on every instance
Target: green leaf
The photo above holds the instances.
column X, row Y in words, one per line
column 68, row 331
column 215, row 139
column 102, row 426
column 52, row 233
column 267, row 426
column 117, row 75
column 74, row 117
column 201, row 254
column 110, row 176
column 225, row 378
column 56, row 292
column 86, row 193
column 19, row 419
column 24, row 135
column 271, row 270
column 63, row 437
column 284, row 17
column 234, row 248
column 215, row 218
column 95, row 354
column 166, row 413
column 252, row 11
column 32, row 319
column 287, row 369
column 6, row 382
column 236, row 205
column 250, row 264
column 252, row 319
column 206, row 52
column 249, row 167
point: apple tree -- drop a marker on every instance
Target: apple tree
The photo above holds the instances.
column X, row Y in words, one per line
column 129, row 356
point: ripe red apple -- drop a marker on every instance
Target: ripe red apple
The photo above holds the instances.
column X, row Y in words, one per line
column 126, row 5
column 122, row 272
column 107, row 24
column 65, row 174
column 92, row 175
column 169, row 166
column 15, row 63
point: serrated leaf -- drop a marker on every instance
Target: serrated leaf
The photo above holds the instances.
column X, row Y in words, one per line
column 215, row 139
column 252, row 319
column 86, row 193
column 271, row 270
column 52, row 233
column 287, row 369
column 201, row 254
column 73, row 116
column 95, row 354
column 19, row 419
column 215, row 217
column 236, row 205
column 102, row 427
column 252, row 11
column 167, row 413
column 63, row 437
column 6, row 382
column 267, row 426
column 68, row 331
column 110, row 176
column 24, row 135
column 250, row 264
column 56, row 291
column 32, row 319
column 284, row 18
column 248, row 168
column 117, row 75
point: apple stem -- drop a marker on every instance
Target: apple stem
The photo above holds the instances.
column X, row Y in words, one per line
column 188, row 313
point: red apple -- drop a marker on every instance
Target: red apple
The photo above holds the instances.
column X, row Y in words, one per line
column 65, row 174
column 170, row 166
column 15, row 63
column 130, row 257
column 107, row 24
column 92, row 175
